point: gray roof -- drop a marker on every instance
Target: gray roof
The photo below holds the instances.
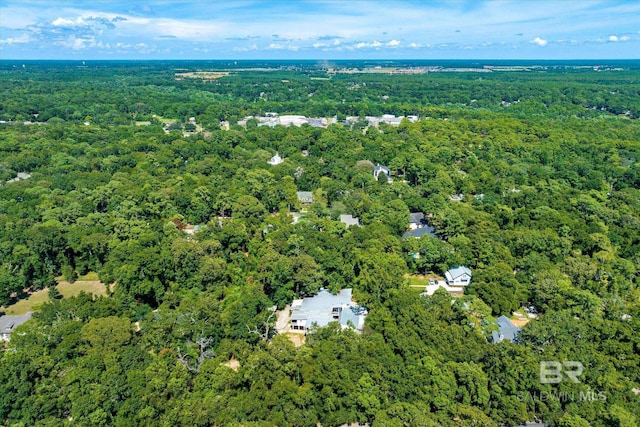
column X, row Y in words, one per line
column 454, row 273
column 349, row 220
column 416, row 218
column 379, row 168
column 305, row 196
column 8, row 323
column 319, row 309
column 507, row 330
column 419, row 232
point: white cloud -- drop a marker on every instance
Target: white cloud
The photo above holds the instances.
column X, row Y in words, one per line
column 539, row 41
column 78, row 43
column 245, row 49
column 393, row 43
column 16, row 40
column 62, row 22
column 278, row 46
column 613, row 38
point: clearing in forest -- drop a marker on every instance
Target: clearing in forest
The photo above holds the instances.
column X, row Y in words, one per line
column 66, row 289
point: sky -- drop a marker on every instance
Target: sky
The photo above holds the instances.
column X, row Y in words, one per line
column 322, row 29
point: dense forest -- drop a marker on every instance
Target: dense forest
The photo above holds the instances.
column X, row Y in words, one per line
column 548, row 162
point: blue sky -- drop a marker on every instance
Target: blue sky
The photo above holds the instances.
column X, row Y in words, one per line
column 329, row 29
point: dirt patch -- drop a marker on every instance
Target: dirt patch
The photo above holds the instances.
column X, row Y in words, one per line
column 296, row 338
column 520, row 321
column 233, row 364
column 204, row 75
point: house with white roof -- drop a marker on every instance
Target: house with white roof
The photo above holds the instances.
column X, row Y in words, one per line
column 324, row 308
column 275, row 160
column 349, row 220
column 459, row 276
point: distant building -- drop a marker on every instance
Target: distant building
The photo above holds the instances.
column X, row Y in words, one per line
column 379, row 169
column 506, row 330
column 459, row 276
column 20, row 176
column 390, row 119
column 296, row 217
column 275, row 160
column 324, row 308
column 305, row 197
column 191, row 229
column 349, row 220
column 9, row 323
column 317, row 122
column 419, row 232
column 417, row 220
column 292, row 120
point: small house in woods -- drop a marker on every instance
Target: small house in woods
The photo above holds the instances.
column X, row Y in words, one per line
column 459, row 276
column 275, row 160
column 379, row 169
column 418, row 226
column 191, row 229
column 529, row 424
column 305, row 197
column 417, row 220
column 349, row 220
column 9, row 323
column 324, row 308
column 506, row 330
column 419, row 232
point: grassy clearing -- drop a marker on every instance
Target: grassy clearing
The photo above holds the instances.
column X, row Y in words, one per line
column 66, row 289
column 416, row 281
column 88, row 286
column 32, row 303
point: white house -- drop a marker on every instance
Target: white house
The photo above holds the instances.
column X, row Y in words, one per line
column 324, row 308
column 379, row 169
column 416, row 220
column 275, row 160
column 459, row 276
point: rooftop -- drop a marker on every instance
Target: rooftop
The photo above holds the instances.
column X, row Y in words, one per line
column 507, row 330
column 9, row 322
column 454, row 273
column 349, row 220
column 419, row 232
column 325, row 308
